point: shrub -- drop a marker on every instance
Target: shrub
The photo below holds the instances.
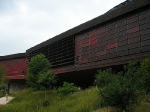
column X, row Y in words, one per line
column 67, row 88
column 39, row 73
column 122, row 90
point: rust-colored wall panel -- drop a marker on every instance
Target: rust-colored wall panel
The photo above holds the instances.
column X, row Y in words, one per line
column 92, row 42
column 100, row 31
column 134, row 40
column 111, row 50
column 135, row 34
column 121, row 38
column 132, row 30
column 93, row 33
column 121, row 28
column 15, row 66
column 101, row 53
column 102, row 57
column 58, row 71
column 84, row 61
column 109, row 46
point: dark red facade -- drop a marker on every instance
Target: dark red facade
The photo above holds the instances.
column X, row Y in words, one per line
column 115, row 38
column 16, row 66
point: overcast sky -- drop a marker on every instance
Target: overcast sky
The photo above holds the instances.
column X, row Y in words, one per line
column 25, row 23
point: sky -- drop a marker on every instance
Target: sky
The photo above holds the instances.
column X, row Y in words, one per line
column 26, row 23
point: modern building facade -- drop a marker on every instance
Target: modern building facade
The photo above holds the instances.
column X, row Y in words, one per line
column 16, row 70
column 115, row 38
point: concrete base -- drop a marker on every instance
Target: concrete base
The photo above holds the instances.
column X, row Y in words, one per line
column 15, row 87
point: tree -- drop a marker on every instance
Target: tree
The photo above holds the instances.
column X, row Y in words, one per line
column 2, row 73
column 67, row 88
column 123, row 89
column 2, row 79
column 39, row 73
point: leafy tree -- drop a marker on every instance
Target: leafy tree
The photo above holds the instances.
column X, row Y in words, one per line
column 144, row 72
column 123, row 89
column 2, row 73
column 67, row 88
column 45, row 80
column 104, row 77
column 39, row 73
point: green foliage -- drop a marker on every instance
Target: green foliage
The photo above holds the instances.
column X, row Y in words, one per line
column 122, row 90
column 2, row 73
column 39, row 73
column 31, row 101
column 38, row 64
column 104, row 77
column 144, row 71
column 45, row 80
column 67, row 88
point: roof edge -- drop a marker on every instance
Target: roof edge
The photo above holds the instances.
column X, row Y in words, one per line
column 135, row 4
column 13, row 56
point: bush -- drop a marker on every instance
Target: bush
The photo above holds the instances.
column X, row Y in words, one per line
column 122, row 90
column 67, row 88
column 39, row 73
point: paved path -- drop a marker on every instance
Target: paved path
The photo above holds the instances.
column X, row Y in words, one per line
column 3, row 100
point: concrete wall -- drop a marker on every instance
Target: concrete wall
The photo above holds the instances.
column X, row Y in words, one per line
column 15, row 87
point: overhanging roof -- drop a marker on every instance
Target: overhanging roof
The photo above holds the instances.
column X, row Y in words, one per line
column 13, row 56
column 135, row 4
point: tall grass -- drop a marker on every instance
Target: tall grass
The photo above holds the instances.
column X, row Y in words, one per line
column 82, row 101
column 29, row 101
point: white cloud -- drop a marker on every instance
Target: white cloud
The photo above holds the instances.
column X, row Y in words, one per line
column 25, row 23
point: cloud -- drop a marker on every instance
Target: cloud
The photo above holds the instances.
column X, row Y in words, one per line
column 25, row 23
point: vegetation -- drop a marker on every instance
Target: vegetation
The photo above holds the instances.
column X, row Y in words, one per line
column 124, row 89
column 67, row 88
column 39, row 73
column 128, row 90
column 2, row 80
column 2, row 74
column 30, row 101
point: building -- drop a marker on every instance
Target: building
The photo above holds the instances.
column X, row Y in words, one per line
column 16, row 70
column 115, row 38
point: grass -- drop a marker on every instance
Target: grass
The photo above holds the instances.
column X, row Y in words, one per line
column 29, row 101
column 82, row 101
